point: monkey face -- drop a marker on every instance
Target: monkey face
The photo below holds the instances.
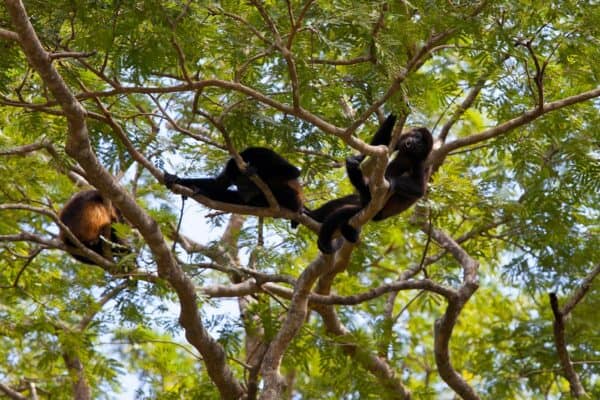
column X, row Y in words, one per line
column 416, row 143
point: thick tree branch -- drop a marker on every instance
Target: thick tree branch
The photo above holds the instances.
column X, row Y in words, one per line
column 8, row 35
column 79, row 147
column 445, row 325
column 368, row 359
column 273, row 381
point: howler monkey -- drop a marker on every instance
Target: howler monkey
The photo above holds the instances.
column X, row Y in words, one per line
column 89, row 217
column 275, row 171
column 406, row 174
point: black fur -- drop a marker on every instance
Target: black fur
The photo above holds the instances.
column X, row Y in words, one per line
column 405, row 173
column 275, row 171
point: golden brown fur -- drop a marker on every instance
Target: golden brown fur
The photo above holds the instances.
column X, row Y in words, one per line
column 89, row 215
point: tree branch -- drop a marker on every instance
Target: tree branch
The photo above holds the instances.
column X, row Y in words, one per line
column 80, row 248
column 577, row 389
column 22, row 150
column 13, row 394
column 369, row 360
column 437, row 156
column 445, row 325
column 273, row 381
column 79, row 147
column 298, row 22
column 71, row 54
column 285, row 51
column 74, row 172
column 580, row 292
column 351, row 61
column 466, row 104
column 81, row 386
column 560, row 315
column 8, row 35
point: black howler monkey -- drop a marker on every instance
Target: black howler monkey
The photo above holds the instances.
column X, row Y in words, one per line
column 89, row 217
column 406, row 174
column 275, row 171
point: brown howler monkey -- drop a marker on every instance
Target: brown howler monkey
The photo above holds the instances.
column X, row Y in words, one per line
column 275, row 171
column 406, row 174
column 89, row 217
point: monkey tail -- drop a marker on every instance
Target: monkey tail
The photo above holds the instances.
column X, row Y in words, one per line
column 338, row 220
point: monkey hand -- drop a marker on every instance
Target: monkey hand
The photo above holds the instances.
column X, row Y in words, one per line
column 354, row 161
column 170, row 180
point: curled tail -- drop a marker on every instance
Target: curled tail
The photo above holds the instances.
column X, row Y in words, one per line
column 338, row 220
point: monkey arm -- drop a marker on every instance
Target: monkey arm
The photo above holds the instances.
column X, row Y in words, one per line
column 384, row 133
column 381, row 137
column 357, row 179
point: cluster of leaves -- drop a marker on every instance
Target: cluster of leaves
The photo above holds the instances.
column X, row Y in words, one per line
column 535, row 189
